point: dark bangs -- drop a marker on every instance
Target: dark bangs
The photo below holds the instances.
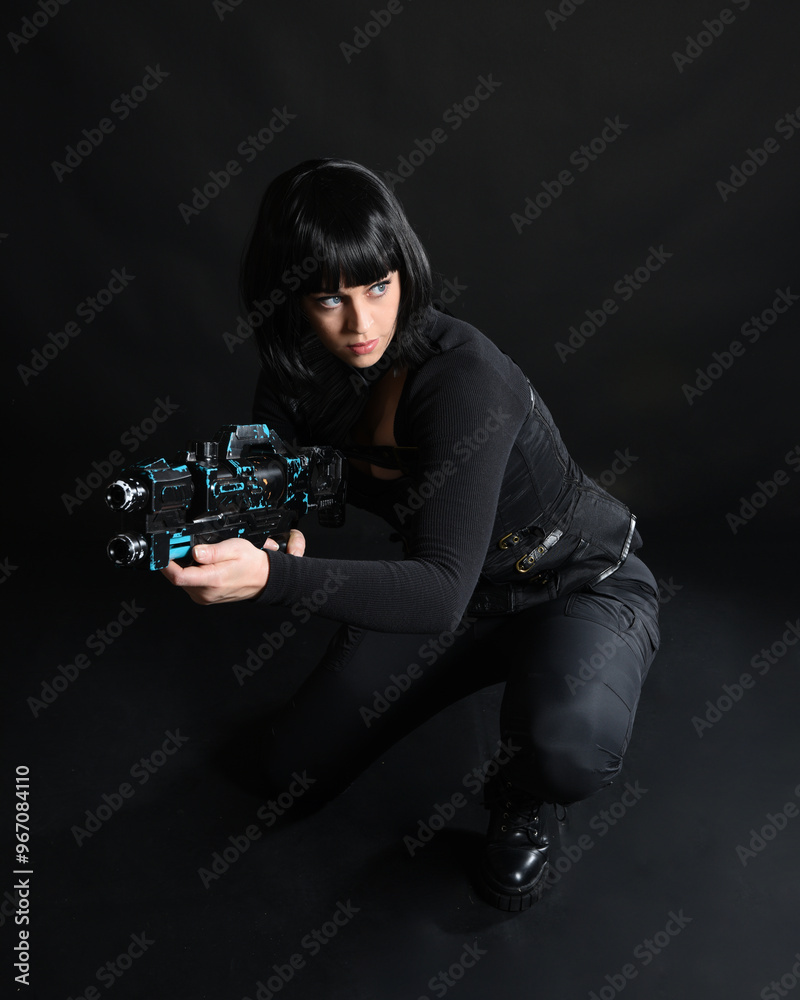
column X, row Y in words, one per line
column 327, row 224
column 352, row 244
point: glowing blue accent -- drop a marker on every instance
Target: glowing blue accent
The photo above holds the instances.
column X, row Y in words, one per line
column 179, row 551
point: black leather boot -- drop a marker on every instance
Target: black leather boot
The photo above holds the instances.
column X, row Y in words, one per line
column 514, row 859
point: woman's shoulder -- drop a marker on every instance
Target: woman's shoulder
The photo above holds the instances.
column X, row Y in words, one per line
column 460, row 347
column 467, row 380
column 447, row 333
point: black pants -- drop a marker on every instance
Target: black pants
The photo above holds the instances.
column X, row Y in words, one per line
column 573, row 671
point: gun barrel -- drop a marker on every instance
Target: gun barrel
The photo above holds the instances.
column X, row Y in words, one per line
column 124, row 495
column 125, row 550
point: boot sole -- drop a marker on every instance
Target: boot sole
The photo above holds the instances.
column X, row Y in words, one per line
column 514, row 902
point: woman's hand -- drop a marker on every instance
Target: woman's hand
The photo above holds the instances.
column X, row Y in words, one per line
column 233, row 570
column 295, row 546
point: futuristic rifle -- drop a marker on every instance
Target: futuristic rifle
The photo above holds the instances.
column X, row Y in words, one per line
column 244, row 483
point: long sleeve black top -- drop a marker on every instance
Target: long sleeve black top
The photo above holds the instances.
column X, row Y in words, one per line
column 462, row 409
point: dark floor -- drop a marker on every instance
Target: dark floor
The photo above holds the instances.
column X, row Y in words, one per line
column 680, row 880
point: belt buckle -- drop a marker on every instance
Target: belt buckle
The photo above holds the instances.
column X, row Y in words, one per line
column 527, row 562
column 514, row 537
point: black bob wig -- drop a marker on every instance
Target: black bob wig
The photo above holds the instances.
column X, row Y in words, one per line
column 320, row 224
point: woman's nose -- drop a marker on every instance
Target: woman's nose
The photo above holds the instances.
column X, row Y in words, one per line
column 360, row 317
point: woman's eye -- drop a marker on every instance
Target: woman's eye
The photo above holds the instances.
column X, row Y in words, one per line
column 333, row 301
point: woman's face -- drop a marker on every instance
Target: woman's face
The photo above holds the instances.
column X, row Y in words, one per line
column 356, row 324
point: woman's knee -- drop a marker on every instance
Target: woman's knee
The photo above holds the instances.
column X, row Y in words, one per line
column 571, row 755
column 571, row 773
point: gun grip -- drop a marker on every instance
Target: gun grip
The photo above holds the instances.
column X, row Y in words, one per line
column 282, row 538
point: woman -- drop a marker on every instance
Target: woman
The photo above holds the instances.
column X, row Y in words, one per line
column 517, row 565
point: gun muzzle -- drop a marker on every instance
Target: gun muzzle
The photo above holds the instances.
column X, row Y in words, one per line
column 122, row 495
column 125, row 550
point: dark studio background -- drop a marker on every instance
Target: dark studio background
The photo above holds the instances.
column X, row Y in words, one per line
column 726, row 595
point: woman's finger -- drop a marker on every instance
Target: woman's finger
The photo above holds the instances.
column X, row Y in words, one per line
column 296, row 545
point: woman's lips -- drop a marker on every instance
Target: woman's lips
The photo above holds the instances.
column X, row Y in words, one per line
column 366, row 348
